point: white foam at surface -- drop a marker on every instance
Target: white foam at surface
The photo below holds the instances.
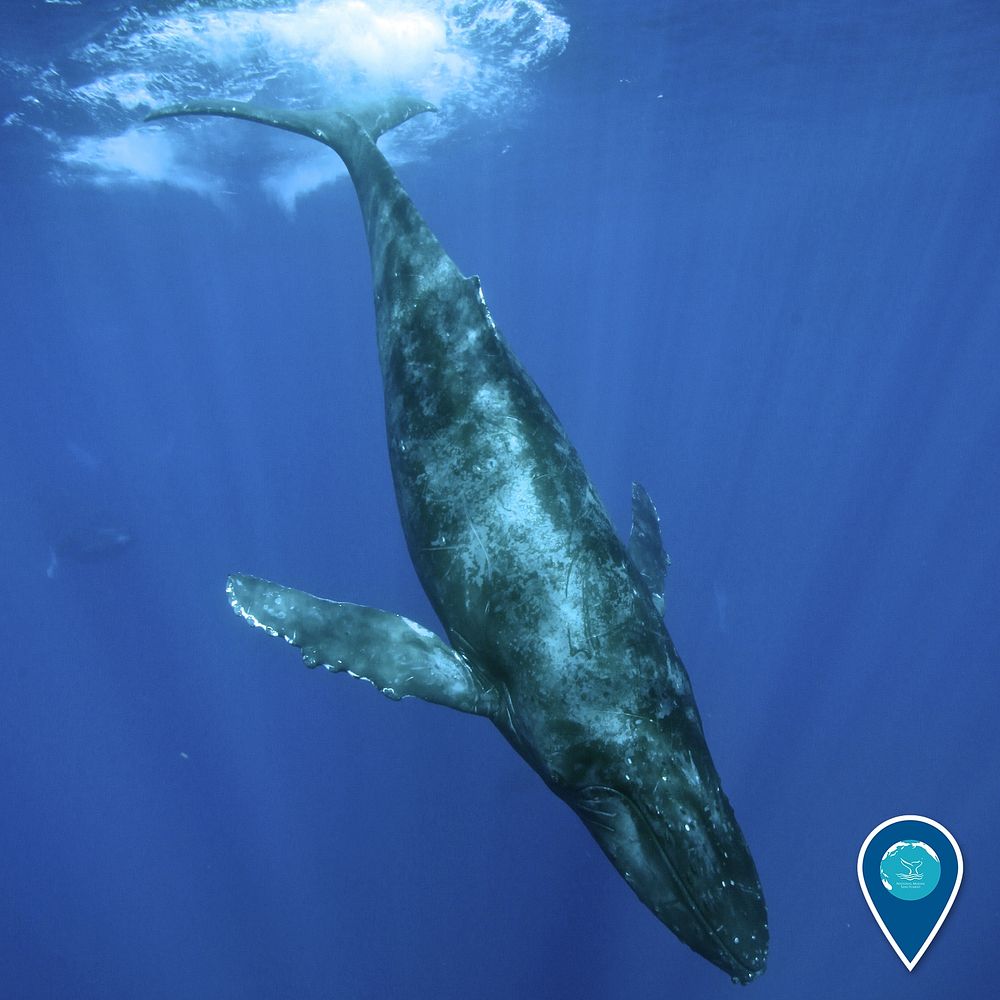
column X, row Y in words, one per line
column 136, row 156
column 468, row 58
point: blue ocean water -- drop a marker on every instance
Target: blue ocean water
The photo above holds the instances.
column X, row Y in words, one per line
column 749, row 253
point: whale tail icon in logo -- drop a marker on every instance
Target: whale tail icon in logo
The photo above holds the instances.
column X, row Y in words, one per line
column 910, row 868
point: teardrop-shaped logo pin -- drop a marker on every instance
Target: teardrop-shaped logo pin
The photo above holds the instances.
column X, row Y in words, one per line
column 910, row 868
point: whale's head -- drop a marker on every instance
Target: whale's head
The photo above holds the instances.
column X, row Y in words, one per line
column 662, row 818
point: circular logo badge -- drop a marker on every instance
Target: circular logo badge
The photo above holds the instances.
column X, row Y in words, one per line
column 910, row 869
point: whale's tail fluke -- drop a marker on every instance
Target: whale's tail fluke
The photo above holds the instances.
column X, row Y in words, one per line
column 398, row 238
column 332, row 126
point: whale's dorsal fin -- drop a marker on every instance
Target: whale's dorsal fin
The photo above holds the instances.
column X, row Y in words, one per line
column 401, row 658
column 645, row 545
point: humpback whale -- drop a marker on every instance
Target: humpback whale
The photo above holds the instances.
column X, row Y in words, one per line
column 88, row 543
column 554, row 627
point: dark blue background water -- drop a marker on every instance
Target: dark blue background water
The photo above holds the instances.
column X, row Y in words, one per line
column 772, row 295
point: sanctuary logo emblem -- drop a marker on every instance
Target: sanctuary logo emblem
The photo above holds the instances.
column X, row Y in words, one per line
column 910, row 868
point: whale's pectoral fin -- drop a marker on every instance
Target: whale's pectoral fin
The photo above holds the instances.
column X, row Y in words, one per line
column 645, row 545
column 401, row 658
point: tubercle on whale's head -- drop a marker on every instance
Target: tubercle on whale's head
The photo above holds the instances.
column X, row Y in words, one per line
column 669, row 829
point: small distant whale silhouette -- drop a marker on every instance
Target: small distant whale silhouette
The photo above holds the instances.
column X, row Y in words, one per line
column 90, row 544
column 556, row 628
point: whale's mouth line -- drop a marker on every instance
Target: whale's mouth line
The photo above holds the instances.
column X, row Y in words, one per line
column 739, row 967
column 689, row 898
